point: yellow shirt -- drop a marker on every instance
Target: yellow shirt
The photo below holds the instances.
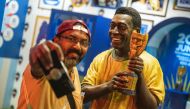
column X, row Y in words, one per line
column 41, row 96
column 104, row 67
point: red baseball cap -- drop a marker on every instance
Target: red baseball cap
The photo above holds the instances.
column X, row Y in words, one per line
column 73, row 25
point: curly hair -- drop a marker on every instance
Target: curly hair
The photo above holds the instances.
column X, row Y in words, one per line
column 136, row 18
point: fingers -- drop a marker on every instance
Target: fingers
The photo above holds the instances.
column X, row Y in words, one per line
column 121, row 74
column 41, row 54
column 119, row 82
column 120, row 79
column 136, row 60
column 40, row 57
column 45, row 56
column 57, row 48
column 136, row 64
column 136, row 69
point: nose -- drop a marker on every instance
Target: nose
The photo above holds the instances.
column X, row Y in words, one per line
column 114, row 30
column 77, row 45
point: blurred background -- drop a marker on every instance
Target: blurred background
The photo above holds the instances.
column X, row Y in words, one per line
column 23, row 23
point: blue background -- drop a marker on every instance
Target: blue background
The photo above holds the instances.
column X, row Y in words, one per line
column 11, row 48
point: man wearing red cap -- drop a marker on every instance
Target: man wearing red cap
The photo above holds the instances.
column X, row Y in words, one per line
column 71, row 44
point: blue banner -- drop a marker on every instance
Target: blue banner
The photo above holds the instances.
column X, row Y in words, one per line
column 170, row 42
column 2, row 7
column 12, row 27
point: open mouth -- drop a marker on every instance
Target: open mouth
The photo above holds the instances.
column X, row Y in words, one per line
column 116, row 40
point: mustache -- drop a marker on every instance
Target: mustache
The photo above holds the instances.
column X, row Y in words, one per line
column 74, row 51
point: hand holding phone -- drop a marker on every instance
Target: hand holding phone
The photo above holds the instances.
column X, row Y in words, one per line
column 60, row 82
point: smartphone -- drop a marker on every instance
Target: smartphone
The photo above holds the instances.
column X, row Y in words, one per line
column 63, row 85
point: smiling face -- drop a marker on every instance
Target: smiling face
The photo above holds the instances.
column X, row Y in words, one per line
column 120, row 31
column 74, row 44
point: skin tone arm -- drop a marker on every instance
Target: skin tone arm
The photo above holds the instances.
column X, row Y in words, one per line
column 145, row 99
column 94, row 92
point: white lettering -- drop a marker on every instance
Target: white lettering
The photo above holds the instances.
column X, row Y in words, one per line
column 183, row 48
column 181, row 39
column 187, row 41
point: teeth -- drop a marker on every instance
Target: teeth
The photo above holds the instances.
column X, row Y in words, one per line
column 115, row 39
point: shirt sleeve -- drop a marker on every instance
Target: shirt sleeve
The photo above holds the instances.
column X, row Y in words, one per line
column 154, row 80
column 92, row 73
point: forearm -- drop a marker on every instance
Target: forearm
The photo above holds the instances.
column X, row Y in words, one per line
column 93, row 92
column 145, row 99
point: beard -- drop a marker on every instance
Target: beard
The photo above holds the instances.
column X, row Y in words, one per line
column 71, row 62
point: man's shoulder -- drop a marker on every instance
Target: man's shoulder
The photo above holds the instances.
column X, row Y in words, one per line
column 104, row 54
column 147, row 57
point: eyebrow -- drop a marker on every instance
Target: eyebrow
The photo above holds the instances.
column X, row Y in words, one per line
column 71, row 35
column 119, row 23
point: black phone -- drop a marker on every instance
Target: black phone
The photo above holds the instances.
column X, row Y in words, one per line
column 63, row 85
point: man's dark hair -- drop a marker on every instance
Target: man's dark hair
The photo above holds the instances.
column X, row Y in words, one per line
column 136, row 18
